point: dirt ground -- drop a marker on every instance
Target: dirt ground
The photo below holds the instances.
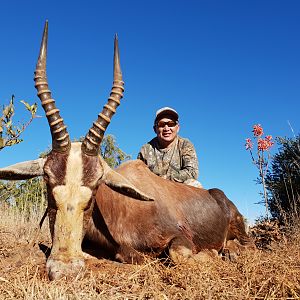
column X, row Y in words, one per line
column 256, row 275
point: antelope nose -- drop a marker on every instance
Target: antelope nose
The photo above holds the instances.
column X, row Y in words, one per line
column 57, row 269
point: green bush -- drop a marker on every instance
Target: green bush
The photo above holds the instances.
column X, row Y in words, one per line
column 283, row 181
column 10, row 132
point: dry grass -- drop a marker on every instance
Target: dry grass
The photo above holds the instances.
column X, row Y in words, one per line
column 256, row 275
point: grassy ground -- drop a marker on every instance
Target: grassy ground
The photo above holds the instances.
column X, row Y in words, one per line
column 256, row 275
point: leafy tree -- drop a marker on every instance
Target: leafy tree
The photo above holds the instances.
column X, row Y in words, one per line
column 10, row 132
column 283, row 181
column 25, row 195
column 111, row 152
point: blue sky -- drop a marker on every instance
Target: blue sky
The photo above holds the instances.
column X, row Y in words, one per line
column 223, row 65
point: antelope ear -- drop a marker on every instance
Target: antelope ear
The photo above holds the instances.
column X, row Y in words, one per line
column 23, row 170
column 120, row 184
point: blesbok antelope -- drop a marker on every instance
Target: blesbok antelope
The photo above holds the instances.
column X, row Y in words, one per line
column 125, row 212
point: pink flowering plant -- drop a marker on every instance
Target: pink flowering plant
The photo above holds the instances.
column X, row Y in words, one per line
column 260, row 155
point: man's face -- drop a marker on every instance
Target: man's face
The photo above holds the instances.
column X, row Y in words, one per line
column 166, row 130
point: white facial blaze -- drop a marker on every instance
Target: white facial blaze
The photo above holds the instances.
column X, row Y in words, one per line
column 71, row 199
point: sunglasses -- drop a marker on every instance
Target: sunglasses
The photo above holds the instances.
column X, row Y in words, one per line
column 162, row 124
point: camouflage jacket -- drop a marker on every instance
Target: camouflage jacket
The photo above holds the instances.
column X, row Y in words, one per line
column 178, row 162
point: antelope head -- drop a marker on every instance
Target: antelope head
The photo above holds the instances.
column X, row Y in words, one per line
column 72, row 171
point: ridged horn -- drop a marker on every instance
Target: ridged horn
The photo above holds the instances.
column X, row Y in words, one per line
column 60, row 136
column 93, row 139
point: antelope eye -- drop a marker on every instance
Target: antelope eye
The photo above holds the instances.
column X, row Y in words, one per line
column 88, row 205
column 46, row 177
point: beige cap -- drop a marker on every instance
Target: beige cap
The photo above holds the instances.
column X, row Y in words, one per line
column 166, row 111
